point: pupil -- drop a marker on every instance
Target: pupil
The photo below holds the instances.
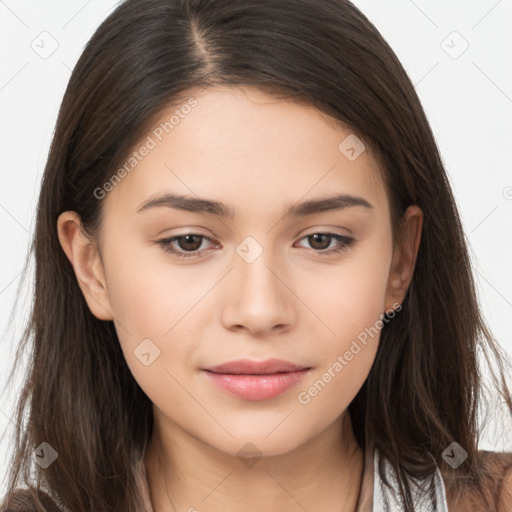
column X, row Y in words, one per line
column 188, row 242
column 316, row 238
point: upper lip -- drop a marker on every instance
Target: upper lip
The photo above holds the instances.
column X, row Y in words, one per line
column 247, row 366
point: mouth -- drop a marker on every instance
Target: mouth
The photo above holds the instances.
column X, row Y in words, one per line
column 252, row 380
column 249, row 367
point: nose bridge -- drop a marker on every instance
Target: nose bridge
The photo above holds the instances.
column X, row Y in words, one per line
column 259, row 300
column 253, row 270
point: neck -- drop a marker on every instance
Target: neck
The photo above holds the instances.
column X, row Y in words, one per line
column 187, row 474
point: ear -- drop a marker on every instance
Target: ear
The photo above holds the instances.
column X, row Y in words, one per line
column 404, row 256
column 85, row 259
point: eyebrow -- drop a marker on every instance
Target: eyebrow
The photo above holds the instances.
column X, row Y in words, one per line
column 208, row 206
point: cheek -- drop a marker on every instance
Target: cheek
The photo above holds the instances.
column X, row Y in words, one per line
column 351, row 308
column 347, row 353
column 333, row 386
column 349, row 296
column 149, row 294
column 156, row 308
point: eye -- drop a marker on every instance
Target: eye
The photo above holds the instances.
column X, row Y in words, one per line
column 188, row 245
column 319, row 245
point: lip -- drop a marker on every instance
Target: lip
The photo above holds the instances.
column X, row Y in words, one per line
column 249, row 367
column 253, row 380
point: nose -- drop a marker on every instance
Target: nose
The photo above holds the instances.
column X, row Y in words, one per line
column 259, row 299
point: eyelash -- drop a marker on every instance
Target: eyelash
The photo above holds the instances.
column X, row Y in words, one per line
column 165, row 243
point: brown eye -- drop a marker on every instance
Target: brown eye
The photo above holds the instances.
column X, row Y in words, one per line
column 189, row 242
column 317, row 241
column 184, row 245
column 320, row 242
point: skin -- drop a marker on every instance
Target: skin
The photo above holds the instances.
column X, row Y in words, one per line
column 259, row 155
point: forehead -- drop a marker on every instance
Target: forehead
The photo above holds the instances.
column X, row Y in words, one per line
column 242, row 146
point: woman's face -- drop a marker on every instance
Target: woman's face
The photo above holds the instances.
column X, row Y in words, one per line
column 255, row 285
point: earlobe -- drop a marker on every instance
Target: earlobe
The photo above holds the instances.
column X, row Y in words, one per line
column 84, row 257
column 404, row 256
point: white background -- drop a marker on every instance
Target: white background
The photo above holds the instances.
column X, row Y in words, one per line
column 468, row 101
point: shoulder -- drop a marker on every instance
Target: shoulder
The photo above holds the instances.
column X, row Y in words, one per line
column 497, row 485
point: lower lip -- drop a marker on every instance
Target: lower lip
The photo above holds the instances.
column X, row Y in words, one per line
column 256, row 387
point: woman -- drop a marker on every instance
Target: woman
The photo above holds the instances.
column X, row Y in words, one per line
column 253, row 290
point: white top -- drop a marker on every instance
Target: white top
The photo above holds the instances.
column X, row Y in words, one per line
column 387, row 500
column 375, row 495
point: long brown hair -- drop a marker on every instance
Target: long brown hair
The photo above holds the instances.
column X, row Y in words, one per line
column 426, row 386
